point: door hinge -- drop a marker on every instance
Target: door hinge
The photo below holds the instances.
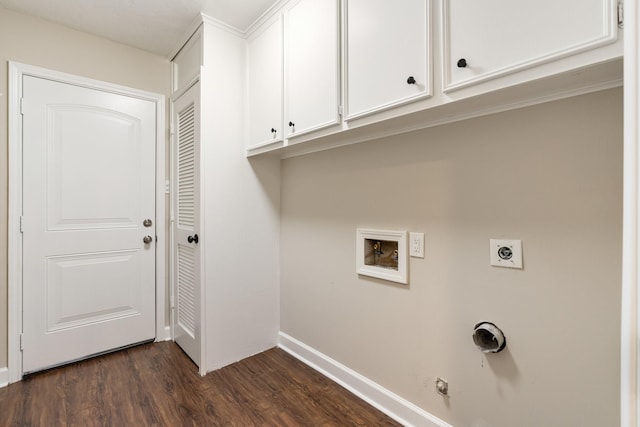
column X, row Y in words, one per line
column 340, row 110
column 21, row 342
column 21, row 224
column 171, row 129
column 620, row 14
column 22, row 106
column 172, row 302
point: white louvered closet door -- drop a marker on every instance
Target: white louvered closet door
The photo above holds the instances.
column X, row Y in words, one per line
column 186, row 225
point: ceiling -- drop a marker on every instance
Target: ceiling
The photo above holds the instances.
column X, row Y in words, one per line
column 153, row 25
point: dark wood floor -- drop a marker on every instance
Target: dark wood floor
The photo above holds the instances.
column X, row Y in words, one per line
column 157, row 385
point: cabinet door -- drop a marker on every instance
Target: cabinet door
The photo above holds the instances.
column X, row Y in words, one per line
column 265, row 86
column 388, row 52
column 186, row 64
column 490, row 38
column 311, row 50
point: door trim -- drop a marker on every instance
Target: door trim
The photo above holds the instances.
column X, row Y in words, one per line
column 16, row 73
column 630, row 313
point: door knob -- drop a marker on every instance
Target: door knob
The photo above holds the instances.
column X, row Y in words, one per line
column 147, row 239
column 462, row 63
column 147, row 222
column 193, row 239
column 411, row 80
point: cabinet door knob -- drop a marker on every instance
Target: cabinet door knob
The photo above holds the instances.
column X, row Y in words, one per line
column 462, row 63
column 193, row 239
column 291, row 124
column 411, row 80
column 273, row 131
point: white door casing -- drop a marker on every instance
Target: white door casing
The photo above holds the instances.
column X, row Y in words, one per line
column 186, row 230
column 78, row 158
column 630, row 316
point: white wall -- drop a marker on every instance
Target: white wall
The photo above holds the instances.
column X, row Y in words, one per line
column 36, row 42
column 242, row 208
column 550, row 175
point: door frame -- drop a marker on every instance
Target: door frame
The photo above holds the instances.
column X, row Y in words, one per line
column 16, row 72
column 630, row 310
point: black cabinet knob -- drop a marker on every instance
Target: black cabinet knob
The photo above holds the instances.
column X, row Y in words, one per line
column 291, row 124
column 411, row 80
column 462, row 63
column 273, row 130
column 193, row 239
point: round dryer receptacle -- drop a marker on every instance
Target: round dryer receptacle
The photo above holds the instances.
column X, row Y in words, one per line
column 489, row 338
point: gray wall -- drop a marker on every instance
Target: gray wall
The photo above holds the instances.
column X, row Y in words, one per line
column 550, row 175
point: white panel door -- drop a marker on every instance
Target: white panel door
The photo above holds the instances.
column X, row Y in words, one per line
column 88, row 184
column 311, row 50
column 186, row 225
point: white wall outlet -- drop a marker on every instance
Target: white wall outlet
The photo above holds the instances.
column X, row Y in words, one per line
column 505, row 253
column 416, row 245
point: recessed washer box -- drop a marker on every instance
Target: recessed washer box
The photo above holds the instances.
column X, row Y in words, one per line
column 505, row 253
column 382, row 254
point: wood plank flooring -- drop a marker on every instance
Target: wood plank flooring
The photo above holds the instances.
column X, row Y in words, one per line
column 157, row 385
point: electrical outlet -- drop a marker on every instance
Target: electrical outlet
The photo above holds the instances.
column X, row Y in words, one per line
column 505, row 253
column 416, row 245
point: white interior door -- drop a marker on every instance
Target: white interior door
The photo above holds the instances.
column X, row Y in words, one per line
column 88, row 187
column 186, row 225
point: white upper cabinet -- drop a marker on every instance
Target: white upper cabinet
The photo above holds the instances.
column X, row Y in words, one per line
column 186, row 64
column 354, row 70
column 387, row 57
column 265, row 90
column 484, row 39
column 312, row 83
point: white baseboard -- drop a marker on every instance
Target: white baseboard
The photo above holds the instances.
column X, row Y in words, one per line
column 377, row 396
column 165, row 336
column 4, row 377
